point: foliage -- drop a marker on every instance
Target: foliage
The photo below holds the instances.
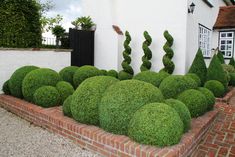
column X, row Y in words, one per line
column 232, row 62
column 156, row 124
column 15, row 82
column 198, row 67
column 112, row 73
column 84, row 106
column 215, row 87
column 228, row 68
column 5, row 88
column 195, row 78
column 65, row 89
column 127, row 72
column 209, row 97
column 103, row 72
column 36, row 79
column 46, row 96
column 232, row 79
column 221, row 57
column 58, row 31
column 84, row 23
column 151, row 77
column 195, row 101
column 50, row 22
column 146, row 65
column 167, row 58
column 67, row 74
column 83, row 73
column 66, row 106
column 122, row 100
column 175, row 84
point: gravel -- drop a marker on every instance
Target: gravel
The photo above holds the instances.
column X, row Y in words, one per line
column 18, row 138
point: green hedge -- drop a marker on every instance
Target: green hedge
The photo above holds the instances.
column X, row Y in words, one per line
column 209, row 97
column 215, row 87
column 65, row 89
column 5, row 88
column 66, row 106
column 67, row 74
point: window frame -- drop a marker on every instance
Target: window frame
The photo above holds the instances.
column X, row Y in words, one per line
column 210, row 40
column 233, row 42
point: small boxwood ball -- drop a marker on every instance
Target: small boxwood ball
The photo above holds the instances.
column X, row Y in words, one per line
column 46, row 96
column 195, row 101
column 122, row 75
column 209, row 97
column 215, row 87
column 195, row 78
column 151, row 77
column 112, row 73
column 15, row 82
column 67, row 74
column 103, row 72
column 176, row 84
column 65, row 89
column 66, row 106
column 182, row 110
column 232, row 79
column 36, row 79
column 5, row 88
column 121, row 100
column 87, row 97
column 156, row 124
column 228, row 68
column 85, row 72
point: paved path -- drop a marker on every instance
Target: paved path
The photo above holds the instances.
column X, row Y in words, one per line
column 220, row 139
column 18, row 138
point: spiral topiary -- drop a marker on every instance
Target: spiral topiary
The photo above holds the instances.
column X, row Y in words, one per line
column 146, row 65
column 66, row 106
column 65, row 89
column 127, row 72
column 167, row 58
column 5, row 88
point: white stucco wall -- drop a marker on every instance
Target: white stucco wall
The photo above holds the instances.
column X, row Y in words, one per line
column 10, row 60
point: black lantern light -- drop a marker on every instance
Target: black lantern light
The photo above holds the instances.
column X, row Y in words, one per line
column 191, row 8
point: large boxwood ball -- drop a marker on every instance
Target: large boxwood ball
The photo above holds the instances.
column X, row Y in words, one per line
column 65, row 89
column 216, row 87
column 232, row 79
column 67, row 73
column 66, row 106
column 156, row 124
column 176, row 84
column 195, row 78
column 15, row 82
column 121, row 100
column 87, row 97
column 209, row 97
column 36, row 79
column 5, row 88
column 151, row 77
column 182, row 110
column 83, row 73
column 195, row 101
column 112, row 73
column 46, row 96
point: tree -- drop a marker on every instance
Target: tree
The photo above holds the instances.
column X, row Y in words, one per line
column 58, row 31
column 146, row 65
column 48, row 23
column 220, row 57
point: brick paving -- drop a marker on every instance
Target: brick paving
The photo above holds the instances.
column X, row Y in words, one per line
column 220, row 139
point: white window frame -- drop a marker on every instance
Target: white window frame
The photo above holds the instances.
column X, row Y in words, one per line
column 204, row 40
column 226, row 43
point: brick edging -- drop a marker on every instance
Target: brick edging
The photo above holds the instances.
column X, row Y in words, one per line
column 96, row 139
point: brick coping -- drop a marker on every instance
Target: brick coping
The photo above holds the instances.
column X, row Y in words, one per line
column 96, row 139
column 227, row 96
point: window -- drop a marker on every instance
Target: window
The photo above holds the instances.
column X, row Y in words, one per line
column 204, row 40
column 226, row 43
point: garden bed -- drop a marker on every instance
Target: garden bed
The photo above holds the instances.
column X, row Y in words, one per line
column 227, row 96
column 95, row 139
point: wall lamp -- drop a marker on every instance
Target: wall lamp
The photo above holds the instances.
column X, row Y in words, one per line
column 191, row 8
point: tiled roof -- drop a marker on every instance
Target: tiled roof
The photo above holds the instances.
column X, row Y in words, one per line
column 226, row 18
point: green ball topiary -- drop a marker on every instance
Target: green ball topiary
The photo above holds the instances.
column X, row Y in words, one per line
column 156, row 124
column 182, row 110
column 83, row 73
column 228, row 68
column 66, row 106
column 5, row 88
column 209, row 97
column 15, row 82
column 65, row 89
column 103, row 72
column 67, row 74
column 46, row 96
column 36, row 79
column 124, row 76
column 195, row 101
column 122, row 100
column 84, row 106
column 215, row 87
column 175, row 84
column 195, row 78
column 232, row 79
column 151, row 77
column 112, row 73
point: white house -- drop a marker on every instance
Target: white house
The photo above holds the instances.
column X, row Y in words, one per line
column 190, row 30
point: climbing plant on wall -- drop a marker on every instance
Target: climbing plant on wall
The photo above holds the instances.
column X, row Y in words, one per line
column 146, row 65
column 127, row 72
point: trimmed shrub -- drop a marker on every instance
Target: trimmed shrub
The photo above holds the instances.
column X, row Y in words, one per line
column 67, row 74
column 112, row 73
column 65, row 89
column 46, row 96
column 195, row 78
column 215, row 87
column 198, row 67
column 103, row 72
column 5, row 88
column 195, row 101
column 151, row 77
column 232, row 62
column 146, row 65
column 221, row 57
column 15, row 82
column 182, row 110
column 36, row 79
column 122, row 100
column 83, row 73
column 209, row 97
column 84, row 106
column 175, row 84
column 156, row 124
column 232, row 79
column 66, row 106
column 228, row 68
